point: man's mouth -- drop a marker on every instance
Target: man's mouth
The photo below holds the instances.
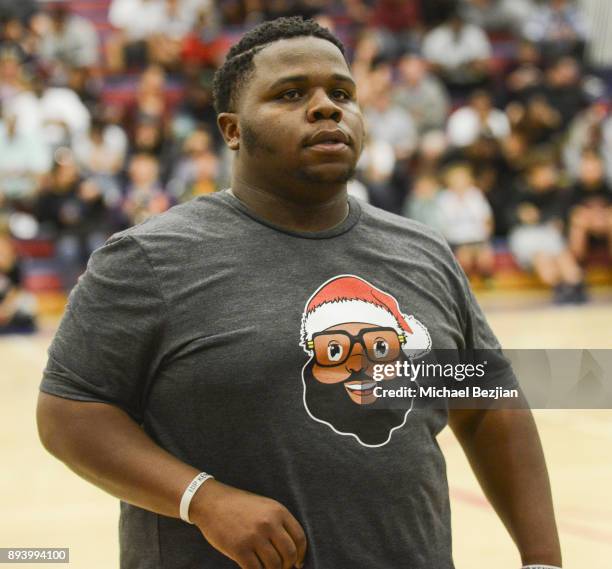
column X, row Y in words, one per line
column 329, row 147
column 361, row 388
column 328, row 141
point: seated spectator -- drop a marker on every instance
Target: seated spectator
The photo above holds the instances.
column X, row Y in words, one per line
column 55, row 206
column 15, row 38
column 149, row 31
column 509, row 172
column 102, row 151
column 460, row 53
column 590, row 129
column 536, row 239
column 205, row 45
column 397, row 16
column 591, row 206
column 422, row 203
column 17, row 314
column 73, row 212
column 148, row 137
column 478, row 118
column 196, row 107
column 421, row 94
column 564, row 90
column 493, row 172
column 12, row 80
column 367, row 50
column 559, row 26
column 197, row 170
column 432, row 149
column 525, row 76
column 68, row 41
column 56, row 114
column 135, row 21
column 536, row 120
column 497, row 15
column 398, row 22
column 466, row 221
column 375, row 169
column 386, row 120
column 24, row 160
column 150, row 104
column 165, row 44
column 145, row 195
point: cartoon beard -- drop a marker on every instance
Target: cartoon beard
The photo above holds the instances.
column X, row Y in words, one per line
column 372, row 424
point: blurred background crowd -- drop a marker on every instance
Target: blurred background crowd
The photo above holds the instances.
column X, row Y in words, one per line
column 488, row 120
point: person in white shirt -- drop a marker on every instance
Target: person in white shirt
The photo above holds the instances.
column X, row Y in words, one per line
column 150, row 30
column 69, row 40
column 459, row 52
column 421, row 93
column 466, row 220
column 56, row 114
column 477, row 118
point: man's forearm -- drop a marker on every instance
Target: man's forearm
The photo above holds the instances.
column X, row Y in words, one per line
column 102, row 444
column 505, row 452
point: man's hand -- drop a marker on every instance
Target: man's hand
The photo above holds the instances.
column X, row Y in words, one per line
column 256, row 532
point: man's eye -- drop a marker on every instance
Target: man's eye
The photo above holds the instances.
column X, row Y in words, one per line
column 334, row 351
column 291, row 95
column 381, row 348
column 341, row 95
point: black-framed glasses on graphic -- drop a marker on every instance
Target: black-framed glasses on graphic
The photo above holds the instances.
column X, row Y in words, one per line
column 332, row 348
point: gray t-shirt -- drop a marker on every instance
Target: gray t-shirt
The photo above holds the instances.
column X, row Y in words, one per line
column 202, row 323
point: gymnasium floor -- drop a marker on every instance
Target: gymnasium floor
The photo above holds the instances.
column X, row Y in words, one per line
column 45, row 505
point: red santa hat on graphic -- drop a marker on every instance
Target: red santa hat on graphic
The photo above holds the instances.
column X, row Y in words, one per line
column 348, row 298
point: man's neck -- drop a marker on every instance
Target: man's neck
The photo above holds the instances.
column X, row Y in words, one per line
column 290, row 214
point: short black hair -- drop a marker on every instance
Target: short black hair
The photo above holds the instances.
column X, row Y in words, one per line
column 239, row 61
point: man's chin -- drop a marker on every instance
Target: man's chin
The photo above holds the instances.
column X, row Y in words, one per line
column 331, row 173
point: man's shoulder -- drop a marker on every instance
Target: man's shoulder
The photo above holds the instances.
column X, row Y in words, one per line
column 185, row 223
column 403, row 227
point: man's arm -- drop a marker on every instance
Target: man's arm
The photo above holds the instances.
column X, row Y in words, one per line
column 504, row 450
column 101, row 443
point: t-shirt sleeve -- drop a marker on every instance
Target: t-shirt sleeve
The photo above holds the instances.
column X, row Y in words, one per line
column 480, row 340
column 107, row 347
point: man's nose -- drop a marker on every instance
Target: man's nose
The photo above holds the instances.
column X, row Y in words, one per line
column 322, row 107
column 357, row 360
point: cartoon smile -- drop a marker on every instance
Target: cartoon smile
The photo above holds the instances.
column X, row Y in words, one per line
column 360, row 387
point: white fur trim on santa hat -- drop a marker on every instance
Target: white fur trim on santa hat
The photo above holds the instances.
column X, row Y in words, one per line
column 419, row 342
column 339, row 312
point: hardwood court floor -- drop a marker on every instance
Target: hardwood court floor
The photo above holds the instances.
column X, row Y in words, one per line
column 44, row 504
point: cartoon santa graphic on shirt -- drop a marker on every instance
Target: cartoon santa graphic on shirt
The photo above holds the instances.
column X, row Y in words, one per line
column 348, row 327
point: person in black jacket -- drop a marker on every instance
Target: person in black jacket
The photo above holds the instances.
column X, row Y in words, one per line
column 590, row 213
column 536, row 238
column 16, row 309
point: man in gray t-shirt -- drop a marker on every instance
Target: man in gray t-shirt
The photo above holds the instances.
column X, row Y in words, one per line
column 238, row 335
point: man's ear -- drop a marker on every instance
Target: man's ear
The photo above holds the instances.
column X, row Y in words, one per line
column 228, row 125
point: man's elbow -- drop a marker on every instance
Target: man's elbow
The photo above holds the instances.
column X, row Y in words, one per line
column 46, row 422
column 55, row 423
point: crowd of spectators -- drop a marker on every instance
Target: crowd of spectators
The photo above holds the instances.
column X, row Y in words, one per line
column 485, row 120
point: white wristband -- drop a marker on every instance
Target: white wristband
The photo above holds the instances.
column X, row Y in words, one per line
column 188, row 495
column 540, row 567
